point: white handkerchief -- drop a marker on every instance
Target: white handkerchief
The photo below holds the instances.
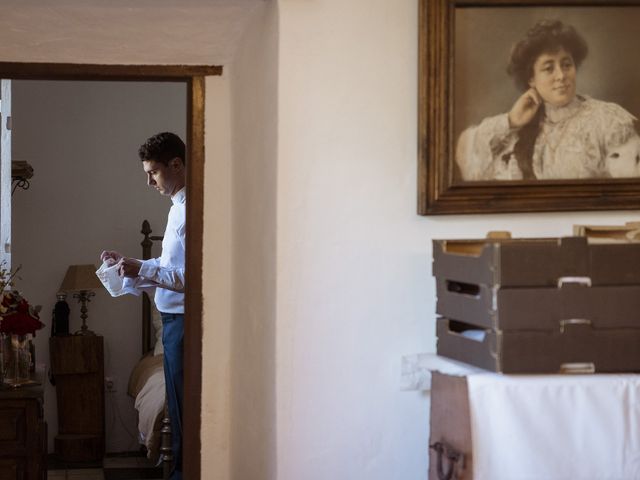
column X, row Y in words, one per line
column 113, row 282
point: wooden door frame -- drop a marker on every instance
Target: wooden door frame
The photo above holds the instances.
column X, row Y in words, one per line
column 194, row 77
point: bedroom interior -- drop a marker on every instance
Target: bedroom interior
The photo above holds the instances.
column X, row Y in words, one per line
column 89, row 193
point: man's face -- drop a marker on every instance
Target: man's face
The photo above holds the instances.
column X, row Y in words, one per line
column 167, row 179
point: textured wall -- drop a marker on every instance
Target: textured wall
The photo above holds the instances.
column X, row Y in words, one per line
column 254, row 80
column 355, row 291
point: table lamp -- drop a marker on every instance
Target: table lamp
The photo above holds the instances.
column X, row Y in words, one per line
column 81, row 280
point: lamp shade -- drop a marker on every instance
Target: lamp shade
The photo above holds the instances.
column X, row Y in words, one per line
column 80, row 277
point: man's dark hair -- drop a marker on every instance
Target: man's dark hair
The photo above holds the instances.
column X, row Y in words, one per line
column 546, row 36
column 162, row 147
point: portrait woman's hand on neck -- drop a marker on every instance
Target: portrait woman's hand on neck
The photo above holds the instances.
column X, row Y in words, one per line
column 524, row 109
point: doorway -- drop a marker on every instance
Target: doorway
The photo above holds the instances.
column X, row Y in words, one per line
column 193, row 78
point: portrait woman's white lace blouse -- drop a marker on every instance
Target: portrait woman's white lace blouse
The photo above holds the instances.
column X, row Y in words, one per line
column 586, row 138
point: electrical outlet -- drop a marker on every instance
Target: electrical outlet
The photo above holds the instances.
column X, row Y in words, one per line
column 110, row 384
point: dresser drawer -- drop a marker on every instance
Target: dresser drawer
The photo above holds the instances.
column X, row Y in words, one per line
column 22, row 435
column 12, row 469
column 14, row 417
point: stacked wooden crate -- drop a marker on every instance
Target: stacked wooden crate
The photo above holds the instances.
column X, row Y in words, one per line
column 539, row 305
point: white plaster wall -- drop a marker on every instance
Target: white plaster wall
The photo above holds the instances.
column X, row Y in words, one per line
column 89, row 193
column 254, row 80
column 354, row 286
column 238, row 409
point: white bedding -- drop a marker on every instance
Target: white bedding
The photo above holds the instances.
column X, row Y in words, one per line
column 147, row 386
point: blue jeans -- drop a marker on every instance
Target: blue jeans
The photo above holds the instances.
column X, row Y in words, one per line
column 172, row 341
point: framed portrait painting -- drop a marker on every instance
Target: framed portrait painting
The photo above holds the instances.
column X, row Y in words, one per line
column 528, row 106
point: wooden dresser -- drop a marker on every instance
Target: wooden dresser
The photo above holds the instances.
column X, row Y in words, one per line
column 23, row 433
column 77, row 365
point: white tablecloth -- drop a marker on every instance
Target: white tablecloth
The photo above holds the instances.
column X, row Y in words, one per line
column 552, row 427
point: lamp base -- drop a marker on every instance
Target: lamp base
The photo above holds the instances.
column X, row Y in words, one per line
column 83, row 297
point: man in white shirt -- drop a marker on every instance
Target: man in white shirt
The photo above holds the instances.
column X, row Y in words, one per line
column 163, row 160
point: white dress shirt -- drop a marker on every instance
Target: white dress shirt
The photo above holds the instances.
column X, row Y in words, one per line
column 166, row 273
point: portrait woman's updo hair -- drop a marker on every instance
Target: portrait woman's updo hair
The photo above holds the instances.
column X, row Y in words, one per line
column 544, row 36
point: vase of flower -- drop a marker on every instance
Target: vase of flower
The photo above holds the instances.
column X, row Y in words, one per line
column 18, row 323
column 18, row 360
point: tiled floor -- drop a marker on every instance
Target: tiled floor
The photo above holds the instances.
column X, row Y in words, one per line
column 129, row 468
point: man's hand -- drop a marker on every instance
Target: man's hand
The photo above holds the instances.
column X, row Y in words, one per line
column 110, row 257
column 129, row 267
column 525, row 108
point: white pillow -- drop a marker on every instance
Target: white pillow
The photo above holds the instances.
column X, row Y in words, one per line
column 156, row 320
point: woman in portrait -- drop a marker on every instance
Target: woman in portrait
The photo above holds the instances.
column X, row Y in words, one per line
column 551, row 132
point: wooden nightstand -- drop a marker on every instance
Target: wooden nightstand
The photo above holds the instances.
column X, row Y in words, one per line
column 77, row 364
column 23, row 433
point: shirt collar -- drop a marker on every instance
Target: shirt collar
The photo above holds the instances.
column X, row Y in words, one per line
column 180, row 196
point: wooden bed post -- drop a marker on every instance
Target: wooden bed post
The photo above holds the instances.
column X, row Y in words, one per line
column 146, row 303
column 147, row 243
column 166, row 455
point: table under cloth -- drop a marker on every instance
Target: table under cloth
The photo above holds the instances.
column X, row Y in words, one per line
column 553, row 427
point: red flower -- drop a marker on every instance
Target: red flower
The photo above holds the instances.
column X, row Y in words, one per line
column 23, row 307
column 18, row 317
column 20, row 323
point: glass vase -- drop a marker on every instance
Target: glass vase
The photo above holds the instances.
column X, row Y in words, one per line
column 16, row 359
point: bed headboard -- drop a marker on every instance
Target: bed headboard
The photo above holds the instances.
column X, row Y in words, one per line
column 147, row 242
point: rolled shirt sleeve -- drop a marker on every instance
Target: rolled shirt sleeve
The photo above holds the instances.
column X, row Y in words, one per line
column 164, row 277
